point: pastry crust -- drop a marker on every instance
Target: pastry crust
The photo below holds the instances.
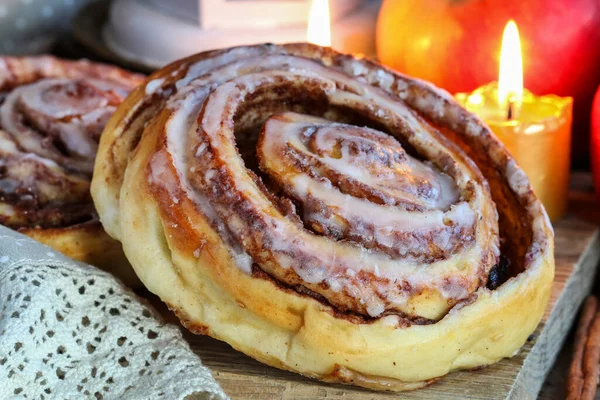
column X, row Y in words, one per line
column 51, row 114
column 88, row 243
column 181, row 255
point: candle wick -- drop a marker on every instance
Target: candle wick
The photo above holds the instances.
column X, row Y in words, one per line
column 510, row 112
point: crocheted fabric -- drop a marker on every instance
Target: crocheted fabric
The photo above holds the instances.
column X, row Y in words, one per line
column 69, row 330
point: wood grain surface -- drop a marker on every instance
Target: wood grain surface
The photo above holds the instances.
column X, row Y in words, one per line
column 588, row 209
column 520, row 377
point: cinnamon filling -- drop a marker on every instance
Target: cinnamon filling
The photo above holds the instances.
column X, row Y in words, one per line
column 327, row 166
column 327, row 184
column 49, row 133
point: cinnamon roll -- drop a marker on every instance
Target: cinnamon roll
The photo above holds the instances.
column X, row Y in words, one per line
column 325, row 215
column 52, row 113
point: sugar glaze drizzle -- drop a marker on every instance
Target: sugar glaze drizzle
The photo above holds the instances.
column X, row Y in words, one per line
column 379, row 227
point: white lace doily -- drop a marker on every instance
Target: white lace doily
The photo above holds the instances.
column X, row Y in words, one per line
column 68, row 330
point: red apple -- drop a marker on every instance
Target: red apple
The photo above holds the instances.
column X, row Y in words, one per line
column 595, row 148
column 456, row 45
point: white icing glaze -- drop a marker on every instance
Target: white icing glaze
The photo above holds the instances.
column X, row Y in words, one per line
column 217, row 84
column 200, row 149
column 159, row 173
column 473, row 127
column 517, row 179
column 154, row 85
column 181, row 123
column 202, row 67
column 357, row 258
column 365, row 166
column 75, row 111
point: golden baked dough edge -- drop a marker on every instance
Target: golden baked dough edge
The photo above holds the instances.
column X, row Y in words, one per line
column 88, row 243
column 297, row 333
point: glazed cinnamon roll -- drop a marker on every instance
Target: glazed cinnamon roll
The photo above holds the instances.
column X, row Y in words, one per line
column 325, row 215
column 52, row 113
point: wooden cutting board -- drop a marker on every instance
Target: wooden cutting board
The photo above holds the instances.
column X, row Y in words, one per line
column 520, row 377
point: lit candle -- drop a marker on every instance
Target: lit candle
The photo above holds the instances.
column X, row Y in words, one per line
column 535, row 129
column 319, row 30
column 319, row 26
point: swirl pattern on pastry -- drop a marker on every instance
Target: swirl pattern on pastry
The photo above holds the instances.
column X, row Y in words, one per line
column 51, row 118
column 52, row 113
column 271, row 187
column 378, row 266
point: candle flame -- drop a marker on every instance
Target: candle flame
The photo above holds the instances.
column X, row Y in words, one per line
column 319, row 30
column 510, row 81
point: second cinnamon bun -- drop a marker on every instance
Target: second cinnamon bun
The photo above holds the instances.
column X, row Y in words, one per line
column 52, row 113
